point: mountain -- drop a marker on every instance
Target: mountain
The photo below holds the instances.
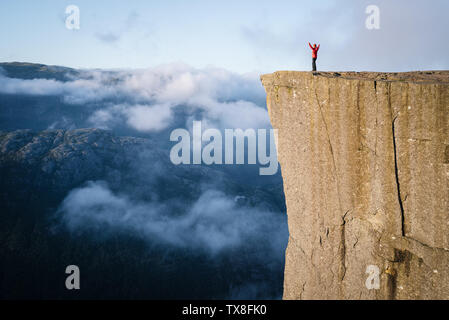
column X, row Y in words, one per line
column 39, row 169
column 111, row 202
column 24, row 70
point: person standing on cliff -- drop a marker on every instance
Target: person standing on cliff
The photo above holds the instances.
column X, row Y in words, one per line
column 314, row 55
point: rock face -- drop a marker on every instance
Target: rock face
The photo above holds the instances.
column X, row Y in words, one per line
column 57, row 160
column 365, row 163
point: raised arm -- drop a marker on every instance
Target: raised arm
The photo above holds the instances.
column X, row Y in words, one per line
column 318, row 48
column 310, row 46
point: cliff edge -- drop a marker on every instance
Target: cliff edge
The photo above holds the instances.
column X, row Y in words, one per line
column 365, row 163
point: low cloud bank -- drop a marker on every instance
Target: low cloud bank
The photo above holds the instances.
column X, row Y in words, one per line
column 145, row 100
column 213, row 223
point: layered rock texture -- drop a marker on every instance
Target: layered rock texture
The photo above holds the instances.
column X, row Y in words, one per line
column 365, row 163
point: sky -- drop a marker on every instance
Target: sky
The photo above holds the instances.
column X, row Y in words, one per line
column 241, row 36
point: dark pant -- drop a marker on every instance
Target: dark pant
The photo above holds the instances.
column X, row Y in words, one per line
column 313, row 64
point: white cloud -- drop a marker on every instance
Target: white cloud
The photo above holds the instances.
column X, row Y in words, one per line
column 31, row 87
column 214, row 222
column 144, row 99
column 149, row 118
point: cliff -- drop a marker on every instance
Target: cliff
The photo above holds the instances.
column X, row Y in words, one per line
column 365, row 163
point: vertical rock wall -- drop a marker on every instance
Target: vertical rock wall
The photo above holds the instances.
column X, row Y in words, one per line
column 365, row 163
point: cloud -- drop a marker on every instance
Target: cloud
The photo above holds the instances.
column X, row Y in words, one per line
column 149, row 118
column 411, row 37
column 108, row 37
column 213, row 223
column 93, row 88
column 30, row 87
column 112, row 37
column 144, row 100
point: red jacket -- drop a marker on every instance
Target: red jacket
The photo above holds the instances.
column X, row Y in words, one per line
column 314, row 51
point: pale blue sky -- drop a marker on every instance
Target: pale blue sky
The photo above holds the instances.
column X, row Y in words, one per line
column 242, row 36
